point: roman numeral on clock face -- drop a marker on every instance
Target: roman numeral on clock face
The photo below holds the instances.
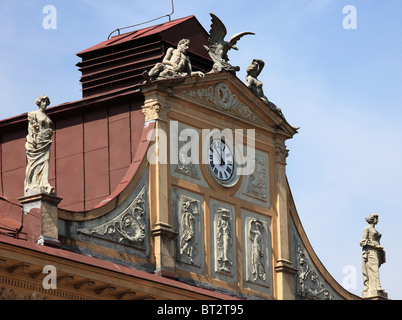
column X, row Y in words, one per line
column 221, row 160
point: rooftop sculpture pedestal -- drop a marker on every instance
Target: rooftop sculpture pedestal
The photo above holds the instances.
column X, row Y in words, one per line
column 375, row 295
column 44, row 206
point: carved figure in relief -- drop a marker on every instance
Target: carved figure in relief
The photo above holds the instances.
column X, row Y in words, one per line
column 187, row 229
column 256, row 228
column 224, row 239
column 38, row 142
column 372, row 258
column 219, row 47
column 257, row 183
column 176, row 63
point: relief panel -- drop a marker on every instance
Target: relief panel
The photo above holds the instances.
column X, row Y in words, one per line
column 188, row 222
column 223, row 241
column 124, row 229
column 310, row 284
column 181, row 136
column 222, row 98
column 128, row 228
column 255, row 187
column 257, row 259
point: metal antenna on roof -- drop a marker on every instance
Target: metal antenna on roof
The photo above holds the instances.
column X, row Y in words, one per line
column 135, row 25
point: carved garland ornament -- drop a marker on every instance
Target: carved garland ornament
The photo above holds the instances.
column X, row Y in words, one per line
column 129, row 227
column 222, row 97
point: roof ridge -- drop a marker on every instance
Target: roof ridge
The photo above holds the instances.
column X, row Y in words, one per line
column 137, row 33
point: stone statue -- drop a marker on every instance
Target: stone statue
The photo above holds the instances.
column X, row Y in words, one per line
column 218, row 47
column 373, row 258
column 38, row 142
column 176, row 63
column 255, row 85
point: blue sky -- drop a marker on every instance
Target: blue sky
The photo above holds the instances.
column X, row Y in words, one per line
column 342, row 87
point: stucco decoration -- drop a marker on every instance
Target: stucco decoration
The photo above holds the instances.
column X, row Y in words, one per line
column 189, row 229
column 221, row 96
column 38, row 143
column 373, row 258
column 257, row 182
column 224, row 240
column 176, row 63
column 255, row 85
column 310, row 284
column 219, row 47
column 281, row 153
column 129, row 227
column 188, row 169
column 255, row 234
column 156, row 111
column 257, row 253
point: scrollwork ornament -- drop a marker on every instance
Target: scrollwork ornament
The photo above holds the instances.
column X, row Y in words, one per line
column 221, row 96
column 129, row 227
column 310, row 285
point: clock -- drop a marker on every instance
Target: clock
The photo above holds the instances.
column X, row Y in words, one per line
column 221, row 162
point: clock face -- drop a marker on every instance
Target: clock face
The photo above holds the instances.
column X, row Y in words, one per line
column 221, row 160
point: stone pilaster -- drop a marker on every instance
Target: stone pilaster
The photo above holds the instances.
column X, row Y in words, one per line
column 284, row 269
column 164, row 236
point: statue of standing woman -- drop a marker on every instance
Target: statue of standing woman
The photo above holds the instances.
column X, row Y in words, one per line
column 38, row 142
column 373, row 258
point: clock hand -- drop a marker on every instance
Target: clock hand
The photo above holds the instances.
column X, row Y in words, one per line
column 222, row 154
column 219, row 153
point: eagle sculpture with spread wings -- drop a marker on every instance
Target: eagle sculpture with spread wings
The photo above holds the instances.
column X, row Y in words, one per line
column 218, row 47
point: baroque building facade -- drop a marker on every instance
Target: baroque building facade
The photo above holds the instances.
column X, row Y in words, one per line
column 132, row 217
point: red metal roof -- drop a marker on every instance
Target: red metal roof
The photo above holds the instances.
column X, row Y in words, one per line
column 137, row 34
column 119, row 62
column 10, row 217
